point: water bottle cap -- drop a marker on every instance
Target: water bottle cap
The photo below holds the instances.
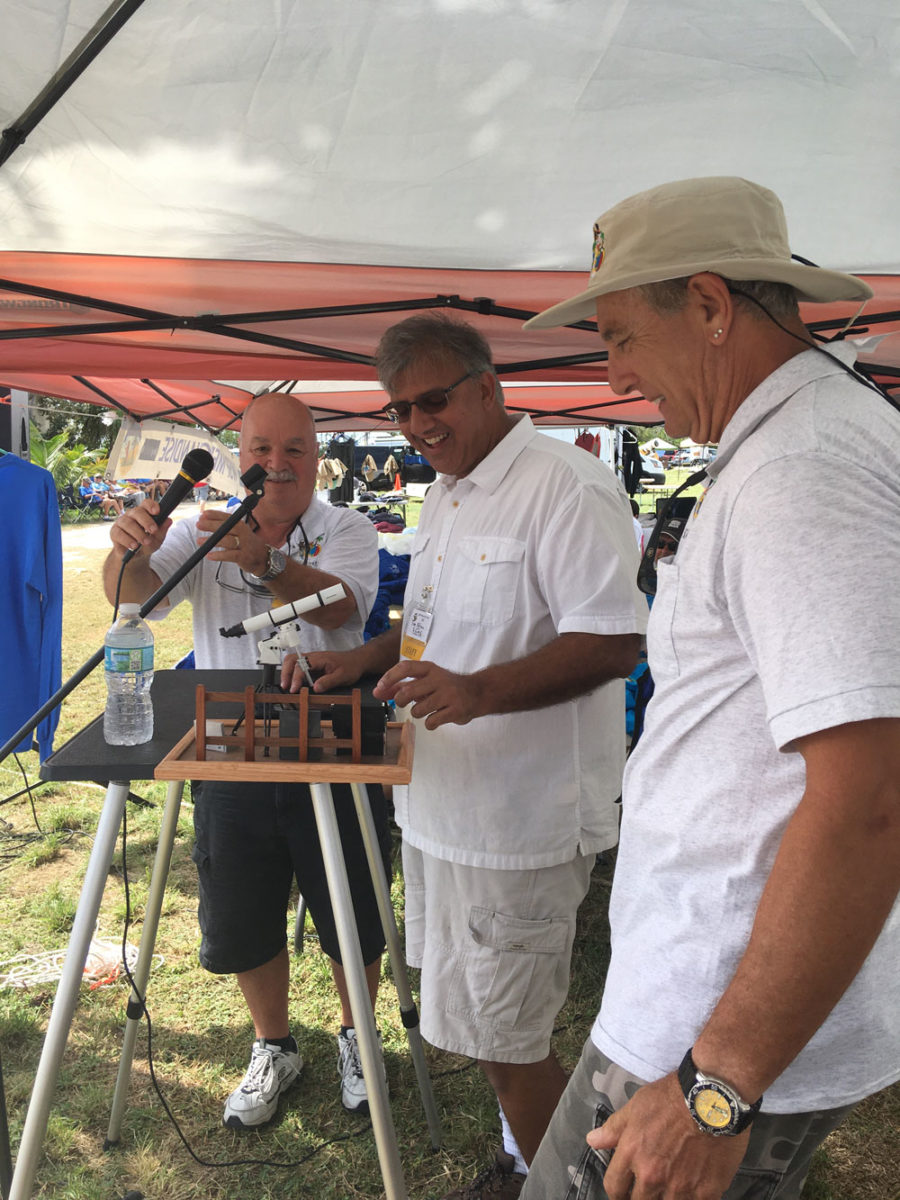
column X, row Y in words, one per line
column 129, row 610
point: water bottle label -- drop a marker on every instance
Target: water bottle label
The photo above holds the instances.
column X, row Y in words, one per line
column 121, row 659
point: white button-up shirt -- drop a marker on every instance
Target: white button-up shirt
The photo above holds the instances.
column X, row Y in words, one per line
column 535, row 542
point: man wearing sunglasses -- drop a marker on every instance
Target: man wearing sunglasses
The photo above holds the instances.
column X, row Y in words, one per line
column 753, row 995
column 521, row 621
column 252, row 839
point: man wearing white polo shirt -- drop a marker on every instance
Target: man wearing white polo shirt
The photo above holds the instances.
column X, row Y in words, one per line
column 753, row 995
column 521, row 621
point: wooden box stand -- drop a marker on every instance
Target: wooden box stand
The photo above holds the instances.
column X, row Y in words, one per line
column 253, row 753
column 254, row 733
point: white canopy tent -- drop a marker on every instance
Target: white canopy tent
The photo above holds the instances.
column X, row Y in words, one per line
column 254, row 191
column 196, row 195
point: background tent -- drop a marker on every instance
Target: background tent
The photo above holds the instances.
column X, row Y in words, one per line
column 234, row 191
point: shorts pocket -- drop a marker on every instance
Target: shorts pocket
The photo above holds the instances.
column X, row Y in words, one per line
column 484, row 583
column 754, row 1183
column 514, row 972
column 587, row 1182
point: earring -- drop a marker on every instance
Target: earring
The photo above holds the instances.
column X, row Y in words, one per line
column 718, row 333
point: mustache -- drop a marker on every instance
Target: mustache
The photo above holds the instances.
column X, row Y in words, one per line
column 281, row 477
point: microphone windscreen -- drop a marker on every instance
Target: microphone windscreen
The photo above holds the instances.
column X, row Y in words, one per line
column 197, row 464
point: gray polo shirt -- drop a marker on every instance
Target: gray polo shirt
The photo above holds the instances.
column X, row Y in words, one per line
column 777, row 618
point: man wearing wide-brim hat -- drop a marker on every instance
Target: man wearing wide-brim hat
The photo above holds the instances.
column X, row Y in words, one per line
column 753, row 995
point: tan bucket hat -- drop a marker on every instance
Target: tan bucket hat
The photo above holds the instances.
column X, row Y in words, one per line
column 721, row 224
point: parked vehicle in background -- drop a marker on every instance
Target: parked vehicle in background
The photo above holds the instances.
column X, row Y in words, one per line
column 652, row 470
column 694, row 457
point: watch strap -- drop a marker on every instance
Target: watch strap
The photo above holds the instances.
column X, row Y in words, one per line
column 690, row 1079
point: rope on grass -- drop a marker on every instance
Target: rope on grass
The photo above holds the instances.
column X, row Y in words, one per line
column 103, row 967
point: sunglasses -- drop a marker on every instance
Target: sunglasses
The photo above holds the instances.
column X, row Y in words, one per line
column 429, row 402
column 660, row 540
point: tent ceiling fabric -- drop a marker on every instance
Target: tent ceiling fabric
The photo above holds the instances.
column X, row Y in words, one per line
column 295, row 154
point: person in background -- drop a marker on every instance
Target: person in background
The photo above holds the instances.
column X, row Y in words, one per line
column 252, row 839
column 97, row 494
column 521, row 620
column 753, row 995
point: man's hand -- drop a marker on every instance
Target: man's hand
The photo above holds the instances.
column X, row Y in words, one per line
column 338, row 667
column 240, row 545
column 441, row 697
column 660, row 1154
column 136, row 529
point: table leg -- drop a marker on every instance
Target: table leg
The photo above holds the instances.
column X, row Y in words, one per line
column 141, row 973
column 67, row 991
column 360, row 1006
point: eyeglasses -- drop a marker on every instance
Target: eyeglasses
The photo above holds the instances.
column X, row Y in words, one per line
column 429, row 402
column 259, row 589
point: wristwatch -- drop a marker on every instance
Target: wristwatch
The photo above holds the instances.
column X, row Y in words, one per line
column 715, row 1106
column 276, row 561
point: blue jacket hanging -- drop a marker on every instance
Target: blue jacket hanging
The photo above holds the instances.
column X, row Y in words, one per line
column 30, row 599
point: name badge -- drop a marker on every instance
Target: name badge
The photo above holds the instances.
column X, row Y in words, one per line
column 415, row 637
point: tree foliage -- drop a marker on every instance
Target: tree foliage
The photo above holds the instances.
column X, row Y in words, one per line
column 83, row 424
column 65, row 462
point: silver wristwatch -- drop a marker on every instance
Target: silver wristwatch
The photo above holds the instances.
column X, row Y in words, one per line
column 276, row 561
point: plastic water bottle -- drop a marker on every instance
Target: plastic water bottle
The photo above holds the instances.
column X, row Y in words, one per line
column 128, row 657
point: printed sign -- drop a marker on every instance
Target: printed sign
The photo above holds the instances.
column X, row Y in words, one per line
column 156, row 449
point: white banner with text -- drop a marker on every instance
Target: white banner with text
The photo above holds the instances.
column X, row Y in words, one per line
column 156, row 449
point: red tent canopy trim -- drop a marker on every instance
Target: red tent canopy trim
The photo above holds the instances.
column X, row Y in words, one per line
column 149, row 336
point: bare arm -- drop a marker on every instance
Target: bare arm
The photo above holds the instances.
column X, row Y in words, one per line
column 247, row 549
column 135, row 529
column 805, row 949
column 571, row 665
column 807, row 946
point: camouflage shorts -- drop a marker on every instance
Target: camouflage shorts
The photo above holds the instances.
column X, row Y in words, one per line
column 565, row 1168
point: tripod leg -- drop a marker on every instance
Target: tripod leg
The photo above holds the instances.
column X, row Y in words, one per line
column 141, row 973
column 408, row 1011
column 67, row 992
column 5, row 1155
column 299, row 922
column 360, row 1005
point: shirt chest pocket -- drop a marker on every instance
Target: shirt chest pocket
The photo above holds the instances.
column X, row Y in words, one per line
column 485, row 580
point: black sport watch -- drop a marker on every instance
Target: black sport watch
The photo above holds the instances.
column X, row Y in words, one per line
column 715, row 1106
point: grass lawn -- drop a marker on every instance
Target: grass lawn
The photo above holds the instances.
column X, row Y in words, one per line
column 201, row 1035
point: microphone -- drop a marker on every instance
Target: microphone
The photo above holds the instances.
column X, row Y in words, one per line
column 277, row 616
column 195, row 466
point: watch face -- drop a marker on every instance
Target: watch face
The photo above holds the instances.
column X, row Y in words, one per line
column 712, row 1108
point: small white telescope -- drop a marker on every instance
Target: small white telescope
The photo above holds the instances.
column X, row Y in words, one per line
column 286, row 612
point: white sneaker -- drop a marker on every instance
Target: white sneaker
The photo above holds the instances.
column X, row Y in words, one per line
column 271, row 1072
column 354, row 1096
